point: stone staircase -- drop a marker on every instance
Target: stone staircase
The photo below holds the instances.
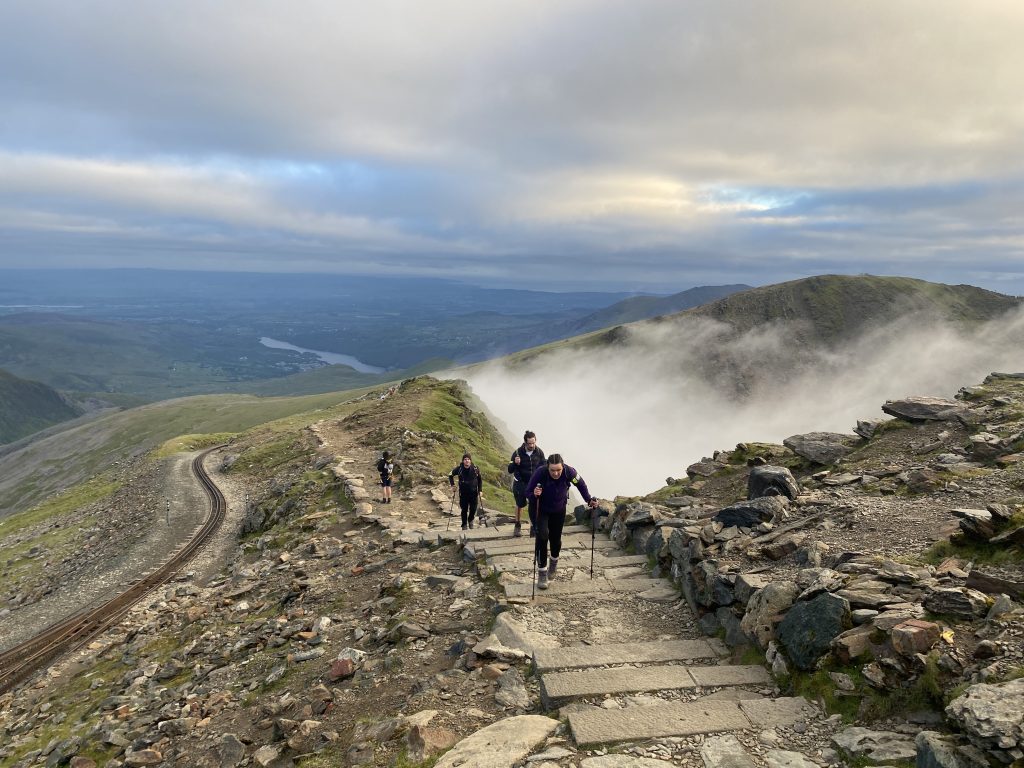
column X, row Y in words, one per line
column 687, row 687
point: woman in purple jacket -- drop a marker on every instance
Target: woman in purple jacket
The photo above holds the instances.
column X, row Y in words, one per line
column 550, row 486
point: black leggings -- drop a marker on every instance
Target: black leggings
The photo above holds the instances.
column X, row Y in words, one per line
column 549, row 526
column 467, row 503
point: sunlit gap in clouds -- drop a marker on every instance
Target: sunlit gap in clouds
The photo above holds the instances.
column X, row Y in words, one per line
column 629, row 416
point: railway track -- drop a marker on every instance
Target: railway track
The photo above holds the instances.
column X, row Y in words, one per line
column 21, row 661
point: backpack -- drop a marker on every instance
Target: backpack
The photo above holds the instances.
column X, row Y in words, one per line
column 383, row 469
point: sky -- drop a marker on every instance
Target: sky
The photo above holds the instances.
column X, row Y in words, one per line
column 652, row 145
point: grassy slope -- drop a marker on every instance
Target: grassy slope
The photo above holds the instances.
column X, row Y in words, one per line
column 827, row 310
column 28, row 406
column 642, row 307
column 35, row 471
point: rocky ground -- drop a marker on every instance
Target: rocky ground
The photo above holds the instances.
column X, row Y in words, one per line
column 347, row 632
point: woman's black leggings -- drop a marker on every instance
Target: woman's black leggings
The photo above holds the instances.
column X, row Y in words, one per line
column 549, row 527
column 467, row 503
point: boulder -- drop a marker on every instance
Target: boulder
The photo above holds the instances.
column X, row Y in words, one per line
column 937, row 750
column 866, row 429
column 769, row 480
column 914, row 636
column 924, row 409
column 500, row 745
column 809, row 627
column 821, row 447
column 747, row 584
column 992, row 717
column 876, row 746
column 705, row 468
column 957, row 601
column 640, row 514
column 765, row 609
column 750, row 514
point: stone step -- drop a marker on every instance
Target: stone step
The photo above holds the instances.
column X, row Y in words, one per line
column 603, row 726
column 597, row 585
column 581, row 656
column 504, row 531
column 525, row 546
column 558, row 688
column 573, row 558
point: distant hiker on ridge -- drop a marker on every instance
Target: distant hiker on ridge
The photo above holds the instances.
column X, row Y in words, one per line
column 550, row 487
column 386, row 468
column 525, row 461
column 471, row 489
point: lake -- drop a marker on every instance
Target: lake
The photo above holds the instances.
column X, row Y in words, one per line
column 331, row 358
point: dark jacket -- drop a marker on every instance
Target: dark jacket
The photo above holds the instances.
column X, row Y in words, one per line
column 523, row 471
column 556, row 492
column 469, row 479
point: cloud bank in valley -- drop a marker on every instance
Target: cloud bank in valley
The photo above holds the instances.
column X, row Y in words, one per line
column 631, row 415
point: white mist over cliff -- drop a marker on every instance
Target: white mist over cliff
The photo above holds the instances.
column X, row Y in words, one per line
column 631, row 414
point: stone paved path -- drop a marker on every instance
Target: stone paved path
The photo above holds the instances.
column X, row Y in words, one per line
column 618, row 657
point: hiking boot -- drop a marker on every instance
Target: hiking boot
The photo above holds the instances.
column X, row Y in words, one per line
column 542, row 578
column 470, row 525
column 518, row 530
column 464, row 526
column 552, row 567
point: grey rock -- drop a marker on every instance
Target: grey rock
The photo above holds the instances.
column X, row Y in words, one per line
column 704, row 468
column 749, row 514
column 231, row 750
column 730, row 622
column 956, row 601
column 764, row 610
column 640, row 513
column 809, row 627
column 621, row 761
column 780, row 758
column 992, row 716
column 866, row 429
column 501, row 744
column 747, row 584
column 878, row 746
column 769, row 480
column 924, row 409
column 824, row 448
column 725, row 752
column 936, row 750
column 512, row 693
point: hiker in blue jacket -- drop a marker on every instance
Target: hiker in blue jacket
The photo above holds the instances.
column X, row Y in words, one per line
column 549, row 486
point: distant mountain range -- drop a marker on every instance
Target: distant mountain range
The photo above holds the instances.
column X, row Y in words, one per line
column 28, row 406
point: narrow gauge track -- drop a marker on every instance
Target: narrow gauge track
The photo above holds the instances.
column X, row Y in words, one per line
column 21, row 661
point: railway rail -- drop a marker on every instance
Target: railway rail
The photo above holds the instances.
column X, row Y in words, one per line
column 23, row 660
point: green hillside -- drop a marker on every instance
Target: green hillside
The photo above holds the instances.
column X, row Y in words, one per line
column 822, row 311
column 28, row 406
column 30, row 473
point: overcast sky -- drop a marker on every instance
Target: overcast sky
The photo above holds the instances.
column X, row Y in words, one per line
column 588, row 144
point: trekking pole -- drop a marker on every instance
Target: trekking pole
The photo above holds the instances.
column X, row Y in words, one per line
column 533, row 569
column 451, row 511
column 593, row 534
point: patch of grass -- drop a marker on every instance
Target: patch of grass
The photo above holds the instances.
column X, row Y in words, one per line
column 446, row 409
column 268, row 455
column 978, row 551
column 67, row 501
column 184, row 443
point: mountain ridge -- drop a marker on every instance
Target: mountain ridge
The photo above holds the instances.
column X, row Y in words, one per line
column 28, row 406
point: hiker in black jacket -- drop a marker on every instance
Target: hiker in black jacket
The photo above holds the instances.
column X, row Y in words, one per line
column 471, row 488
column 525, row 460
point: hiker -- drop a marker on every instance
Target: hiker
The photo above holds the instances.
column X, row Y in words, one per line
column 549, row 486
column 524, row 462
column 471, row 489
column 386, row 468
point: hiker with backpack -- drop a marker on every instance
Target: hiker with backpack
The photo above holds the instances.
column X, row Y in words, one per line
column 524, row 462
column 386, row 469
column 549, row 488
column 471, row 489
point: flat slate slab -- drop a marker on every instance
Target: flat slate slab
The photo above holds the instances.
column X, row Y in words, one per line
column 581, row 656
column 782, row 712
column 557, row 688
column 747, row 674
column 575, row 558
column 504, row 531
column 525, row 545
column 602, row 726
column 582, row 587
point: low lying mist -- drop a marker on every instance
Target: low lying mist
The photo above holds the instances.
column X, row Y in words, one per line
column 630, row 415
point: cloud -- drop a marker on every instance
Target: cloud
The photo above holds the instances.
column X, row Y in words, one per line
column 630, row 415
column 572, row 135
